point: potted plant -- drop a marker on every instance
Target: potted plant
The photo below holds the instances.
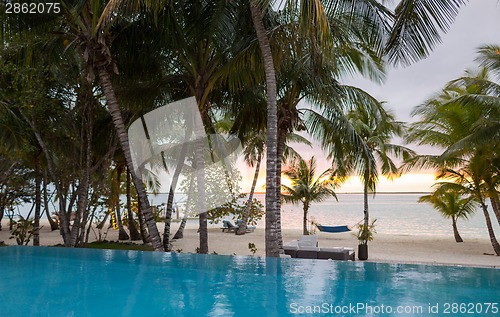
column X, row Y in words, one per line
column 365, row 234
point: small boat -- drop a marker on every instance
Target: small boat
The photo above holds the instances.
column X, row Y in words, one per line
column 333, row 229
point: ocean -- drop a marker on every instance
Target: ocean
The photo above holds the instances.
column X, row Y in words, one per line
column 396, row 214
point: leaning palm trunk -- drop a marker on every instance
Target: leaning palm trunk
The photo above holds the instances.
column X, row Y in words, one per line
column 122, row 234
column 64, row 221
column 246, row 213
column 170, row 201
column 134, row 233
column 114, row 109
column 53, row 224
column 83, row 188
column 272, row 199
column 38, row 202
column 493, row 239
column 142, row 226
column 458, row 238
column 180, row 232
column 495, row 205
column 173, row 186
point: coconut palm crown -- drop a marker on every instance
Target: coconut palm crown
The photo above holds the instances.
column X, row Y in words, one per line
column 306, row 188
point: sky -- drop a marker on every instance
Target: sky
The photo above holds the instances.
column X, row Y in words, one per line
column 478, row 23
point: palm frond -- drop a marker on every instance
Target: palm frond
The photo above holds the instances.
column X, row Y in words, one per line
column 417, row 27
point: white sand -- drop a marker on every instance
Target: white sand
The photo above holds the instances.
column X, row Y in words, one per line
column 384, row 248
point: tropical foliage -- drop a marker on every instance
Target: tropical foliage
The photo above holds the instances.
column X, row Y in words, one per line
column 463, row 121
column 72, row 83
column 450, row 202
column 307, row 187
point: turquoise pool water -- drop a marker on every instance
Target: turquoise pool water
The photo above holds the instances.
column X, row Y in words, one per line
column 84, row 282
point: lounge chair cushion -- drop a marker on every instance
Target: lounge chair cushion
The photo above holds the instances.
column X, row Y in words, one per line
column 291, row 250
column 308, row 241
column 307, row 252
column 336, row 254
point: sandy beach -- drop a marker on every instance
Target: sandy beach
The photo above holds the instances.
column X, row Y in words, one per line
column 384, row 248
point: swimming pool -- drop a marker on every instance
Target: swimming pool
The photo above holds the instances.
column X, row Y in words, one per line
column 47, row 281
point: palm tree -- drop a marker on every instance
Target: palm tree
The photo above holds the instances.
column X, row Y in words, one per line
column 451, row 203
column 306, row 187
column 482, row 92
column 470, row 179
column 414, row 33
column 272, row 200
column 453, row 121
column 377, row 129
column 253, row 151
column 89, row 28
column 308, row 69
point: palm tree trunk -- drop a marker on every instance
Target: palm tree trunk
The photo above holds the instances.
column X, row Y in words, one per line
column 201, row 205
column 122, row 234
column 180, row 232
column 114, row 109
column 458, row 238
column 53, row 224
column 495, row 204
column 304, row 220
column 280, row 149
column 272, row 200
column 170, row 201
column 365, row 203
column 103, row 222
column 246, row 213
column 173, row 186
column 38, row 201
column 134, row 233
column 64, row 221
column 493, row 239
column 83, row 187
column 142, row 226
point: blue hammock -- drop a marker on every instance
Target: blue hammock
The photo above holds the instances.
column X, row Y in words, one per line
column 333, row 229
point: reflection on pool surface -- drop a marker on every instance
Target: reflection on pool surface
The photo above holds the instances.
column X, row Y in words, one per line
column 83, row 282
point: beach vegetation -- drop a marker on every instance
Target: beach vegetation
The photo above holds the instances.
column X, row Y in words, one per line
column 252, row 248
column 15, row 185
column 451, row 202
column 377, row 126
column 253, row 152
column 366, row 233
column 75, row 81
column 411, row 32
column 22, row 230
column 463, row 120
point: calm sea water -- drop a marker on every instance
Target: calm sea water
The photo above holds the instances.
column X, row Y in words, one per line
column 398, row 214
column 84, row 282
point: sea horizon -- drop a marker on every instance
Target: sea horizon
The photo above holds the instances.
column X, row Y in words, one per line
column 397, row 213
